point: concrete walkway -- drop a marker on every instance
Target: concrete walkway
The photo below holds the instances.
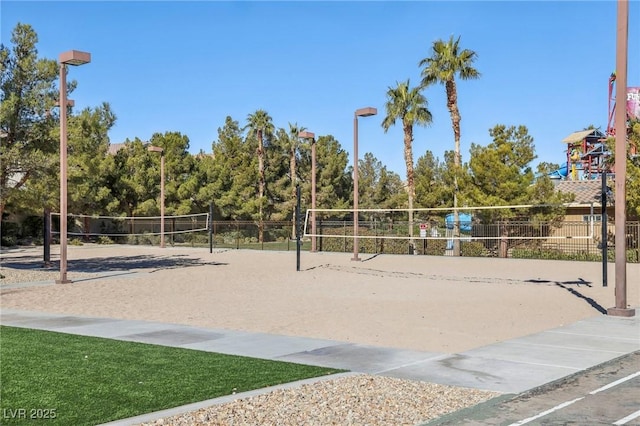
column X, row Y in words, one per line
column 511, row 366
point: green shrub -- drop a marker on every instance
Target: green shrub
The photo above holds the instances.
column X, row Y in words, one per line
column 103, row 239
column 32, row 226
column 436, row 247
column 192, row 238
column 10, row 233
column 144, row 239
column 150, row 239
column 8, row 241
column 75, row 242
column 633, row 255
column 472, row 249
column 365, row 245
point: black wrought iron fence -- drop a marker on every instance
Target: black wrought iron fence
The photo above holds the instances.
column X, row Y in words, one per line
column 567, row 240
column 276, row 235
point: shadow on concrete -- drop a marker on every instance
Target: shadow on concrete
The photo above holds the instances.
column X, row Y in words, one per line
column 578, row 282
column 115, row 263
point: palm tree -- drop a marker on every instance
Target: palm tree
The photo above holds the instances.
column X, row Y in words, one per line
column 260, row 124
column 410, row 106
column 446, row 61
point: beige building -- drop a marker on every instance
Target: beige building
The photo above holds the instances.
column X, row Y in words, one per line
column 581, row 229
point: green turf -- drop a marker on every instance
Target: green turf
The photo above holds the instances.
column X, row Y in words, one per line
column 87, row 380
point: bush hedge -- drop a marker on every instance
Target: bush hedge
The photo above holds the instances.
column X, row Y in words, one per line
column 473, row 249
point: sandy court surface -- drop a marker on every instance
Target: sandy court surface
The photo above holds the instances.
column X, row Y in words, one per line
column 413, row 302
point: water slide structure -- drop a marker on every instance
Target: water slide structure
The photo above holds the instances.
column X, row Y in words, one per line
column 586, row 151
column 586, row 155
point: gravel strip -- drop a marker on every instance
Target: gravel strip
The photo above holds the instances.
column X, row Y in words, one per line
column 352, row 400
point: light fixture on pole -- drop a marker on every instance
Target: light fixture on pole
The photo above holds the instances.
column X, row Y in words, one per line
column 75, row 58
column 312, row 136
column 362, row 112
column 152, row 148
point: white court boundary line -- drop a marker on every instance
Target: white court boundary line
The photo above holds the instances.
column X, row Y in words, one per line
column 616, row 383
column 628, row 418
column 544, row 413
column 567, row 403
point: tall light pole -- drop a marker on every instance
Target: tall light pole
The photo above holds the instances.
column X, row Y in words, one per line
column 75, row 58
column 312, row 136
column 362, row 112
column 621, row 308
column 152, row 148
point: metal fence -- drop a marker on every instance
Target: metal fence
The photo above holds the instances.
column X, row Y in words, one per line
column 570, row 240
column 565, row 240
column 276, row 235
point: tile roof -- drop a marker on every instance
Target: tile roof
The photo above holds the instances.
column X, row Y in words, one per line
column 115, row 147
column 585, row 191
column 576, row 137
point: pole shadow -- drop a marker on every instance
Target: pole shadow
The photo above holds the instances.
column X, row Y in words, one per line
column 565, row 285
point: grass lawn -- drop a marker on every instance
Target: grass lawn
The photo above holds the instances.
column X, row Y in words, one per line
column 66, row 379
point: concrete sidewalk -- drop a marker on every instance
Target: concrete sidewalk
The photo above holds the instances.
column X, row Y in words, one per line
column 511, row 366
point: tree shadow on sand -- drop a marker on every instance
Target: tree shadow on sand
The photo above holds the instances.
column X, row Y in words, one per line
column 578, row 283
column 113, row 263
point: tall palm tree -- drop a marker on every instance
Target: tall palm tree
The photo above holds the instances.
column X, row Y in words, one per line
column 446, row 61
column 260, row 124
column 410, row 106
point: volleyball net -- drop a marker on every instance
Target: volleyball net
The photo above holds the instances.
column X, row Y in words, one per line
column 131, row 227
column 487, row 227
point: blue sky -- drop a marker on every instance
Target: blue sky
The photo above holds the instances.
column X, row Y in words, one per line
column 185, row 66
